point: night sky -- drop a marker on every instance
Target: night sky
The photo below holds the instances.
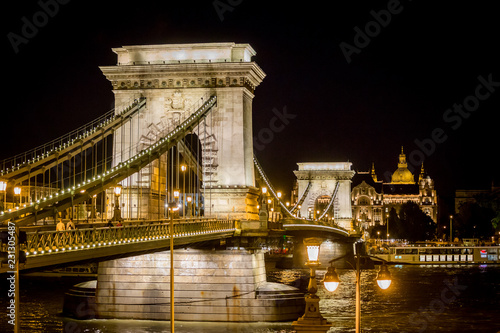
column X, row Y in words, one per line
column 405, row 73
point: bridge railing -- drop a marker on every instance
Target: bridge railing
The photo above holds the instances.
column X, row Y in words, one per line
column 50, row 242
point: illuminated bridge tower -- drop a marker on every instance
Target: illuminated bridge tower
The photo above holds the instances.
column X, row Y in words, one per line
column 318, row 182
column 173, row 79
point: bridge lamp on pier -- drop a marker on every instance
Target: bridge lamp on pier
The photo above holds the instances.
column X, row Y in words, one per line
column 278, row 207
column 312, row 320
column 17, row 193
column 117, row 214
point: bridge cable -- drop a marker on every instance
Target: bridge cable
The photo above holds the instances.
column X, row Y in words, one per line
column 335, row 191
column 270, row 186
column 81, row 192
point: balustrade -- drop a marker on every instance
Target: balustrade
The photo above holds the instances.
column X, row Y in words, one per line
column 49, row 242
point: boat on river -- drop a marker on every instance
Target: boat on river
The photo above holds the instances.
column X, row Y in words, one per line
column 429, row 255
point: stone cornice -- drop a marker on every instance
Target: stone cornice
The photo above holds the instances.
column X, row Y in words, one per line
column 195, row 75
column 324, row 174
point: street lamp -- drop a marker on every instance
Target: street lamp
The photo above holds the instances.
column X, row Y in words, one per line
column 17, row 193
column 183, row 169
column 384, row 277
column 331, row 280
column 172, row 207
column 264, row 191
column 312, row 320
column 117, row 214
column 451, row 228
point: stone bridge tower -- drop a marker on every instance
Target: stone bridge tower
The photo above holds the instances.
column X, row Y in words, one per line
column 323, row 178
column 174, row 78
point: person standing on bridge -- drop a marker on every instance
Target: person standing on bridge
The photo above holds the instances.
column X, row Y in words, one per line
column 60, row 225
column 70, row 225
column 60, row 236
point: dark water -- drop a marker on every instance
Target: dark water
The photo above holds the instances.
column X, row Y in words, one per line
column 420, row 299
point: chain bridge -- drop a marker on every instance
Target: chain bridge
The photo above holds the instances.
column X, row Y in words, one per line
column 177, row 146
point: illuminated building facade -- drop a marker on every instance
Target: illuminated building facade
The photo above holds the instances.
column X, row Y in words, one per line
column 372, row 200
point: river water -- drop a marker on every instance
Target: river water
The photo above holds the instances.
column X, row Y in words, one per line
column 449, row 298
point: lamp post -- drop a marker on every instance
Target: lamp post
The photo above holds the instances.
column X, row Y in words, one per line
column 331, row 280
column 3, row 188
column 387, row 215
column 189, row 203
column 278, row 207
column 451, row 229
column 172, row 207
column 183, row 169
column 312, row 320
column 17, row 193
column 117, row 214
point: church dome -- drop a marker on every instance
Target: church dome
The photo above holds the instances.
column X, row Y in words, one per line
column 402, row 175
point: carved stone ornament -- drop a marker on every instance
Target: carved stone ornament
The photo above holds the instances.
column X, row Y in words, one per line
column 177, row 102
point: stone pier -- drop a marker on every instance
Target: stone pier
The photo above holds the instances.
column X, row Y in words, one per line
column 210, row 285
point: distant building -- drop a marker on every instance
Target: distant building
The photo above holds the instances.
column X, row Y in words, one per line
column 470, row 196
column 372, row 200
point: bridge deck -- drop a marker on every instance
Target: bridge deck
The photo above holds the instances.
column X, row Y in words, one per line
column 48, row 248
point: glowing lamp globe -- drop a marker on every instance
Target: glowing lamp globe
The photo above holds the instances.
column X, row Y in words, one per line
column 331, row 280
column 118, row 190
column 384, row 277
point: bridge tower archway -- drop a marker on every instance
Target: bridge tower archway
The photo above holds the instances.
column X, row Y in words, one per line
column 318, row 181
column 174, row 78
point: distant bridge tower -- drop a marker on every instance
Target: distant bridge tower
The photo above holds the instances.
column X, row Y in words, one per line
column 323, row 178
column 173, row 78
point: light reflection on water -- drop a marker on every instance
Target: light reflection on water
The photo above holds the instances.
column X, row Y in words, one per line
column 413, row 303
column 451, row 298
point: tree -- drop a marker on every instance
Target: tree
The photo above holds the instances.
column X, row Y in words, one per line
column 415, row 225
column 474, row 221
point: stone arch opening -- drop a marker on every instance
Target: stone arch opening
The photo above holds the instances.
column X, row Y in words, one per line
column 320, row 204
